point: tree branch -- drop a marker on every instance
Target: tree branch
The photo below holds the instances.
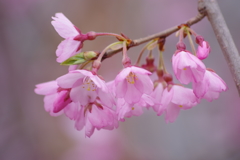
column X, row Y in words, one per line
column 211, row 9
column 165, row 33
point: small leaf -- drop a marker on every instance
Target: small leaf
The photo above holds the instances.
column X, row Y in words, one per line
column 76, row 59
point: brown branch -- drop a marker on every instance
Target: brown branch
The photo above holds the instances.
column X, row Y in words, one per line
column 165, row 33
column 211, row 9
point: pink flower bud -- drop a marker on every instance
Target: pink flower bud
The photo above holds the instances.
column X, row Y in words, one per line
column 203, row 50
column 149, row 64
column 91, row 35
column 181, row 46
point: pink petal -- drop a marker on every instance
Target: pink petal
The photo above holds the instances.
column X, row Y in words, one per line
column 165, row 100
column 127, row 110
column 184, row 76
column 89, row 129
column 48, row 104
column 139, row 85
column 63, row 26
column 201, row 88
column 81, row 120
column 101, row 118
column 106, row 98
column 61, row 101
column 95, row 117
column 184, row 97
column 132, row 95
column 211, row 95
column 46, row 88
column 99, row 82
column 188, row 67
column 216, row 82
column 146, row 82
column 121, row 89
column 203, row 51
column 82, row 95
column 140, row 70
column 200, row 64
column 122, row 108
column 157, row 93
column 111, row 87
column 66, row 49
column 171, row 113
column 175, row 60
column 68, row 80
column 146, row 100
column 122, row 75
column 84, row 72
column 185, row 60
column 137, row 111
column 198, row 74
column 71, row 111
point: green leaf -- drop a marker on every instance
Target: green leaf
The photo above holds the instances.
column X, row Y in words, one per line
column 74, row 60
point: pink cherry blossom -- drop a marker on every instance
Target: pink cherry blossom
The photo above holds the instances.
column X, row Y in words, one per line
column 126, row 110
column 92, row 116
column 55, row 98
column 210, row 87
column 162, row 97
column 131, row 83
column 72, row 44
column 203, row 50
column 85, row 87
column 187, row 67
column 182, row 98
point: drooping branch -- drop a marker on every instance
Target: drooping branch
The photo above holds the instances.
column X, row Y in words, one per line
column 211, row 9
column 165, row 33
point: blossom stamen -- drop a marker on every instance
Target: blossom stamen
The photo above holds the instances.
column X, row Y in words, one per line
column 131, row 78
column 89, row 84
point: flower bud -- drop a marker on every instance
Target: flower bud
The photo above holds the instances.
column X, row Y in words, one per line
column 203, row 50
column 149, row 64
column 199, row 40
column 181, row 46
column 167, row 77
column 91, row 35
column 89, row 55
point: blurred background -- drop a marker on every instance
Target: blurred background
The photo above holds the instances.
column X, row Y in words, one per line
column 28, row 43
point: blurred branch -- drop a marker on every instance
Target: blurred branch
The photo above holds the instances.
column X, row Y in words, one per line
column 211, row 9
column 165, row 33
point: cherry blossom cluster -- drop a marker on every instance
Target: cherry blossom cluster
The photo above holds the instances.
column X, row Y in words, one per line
column 84, row 97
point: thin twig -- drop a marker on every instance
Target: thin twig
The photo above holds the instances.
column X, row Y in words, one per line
column 165, row 33
column 211, row 9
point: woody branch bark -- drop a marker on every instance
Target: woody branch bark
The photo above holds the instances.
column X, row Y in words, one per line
column 211, row 9
column 165, row 33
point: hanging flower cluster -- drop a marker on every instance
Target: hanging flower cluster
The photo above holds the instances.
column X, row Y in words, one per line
column 84, row 97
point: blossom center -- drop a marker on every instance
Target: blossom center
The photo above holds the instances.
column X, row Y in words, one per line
column 89, row 85
column 131, row 78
